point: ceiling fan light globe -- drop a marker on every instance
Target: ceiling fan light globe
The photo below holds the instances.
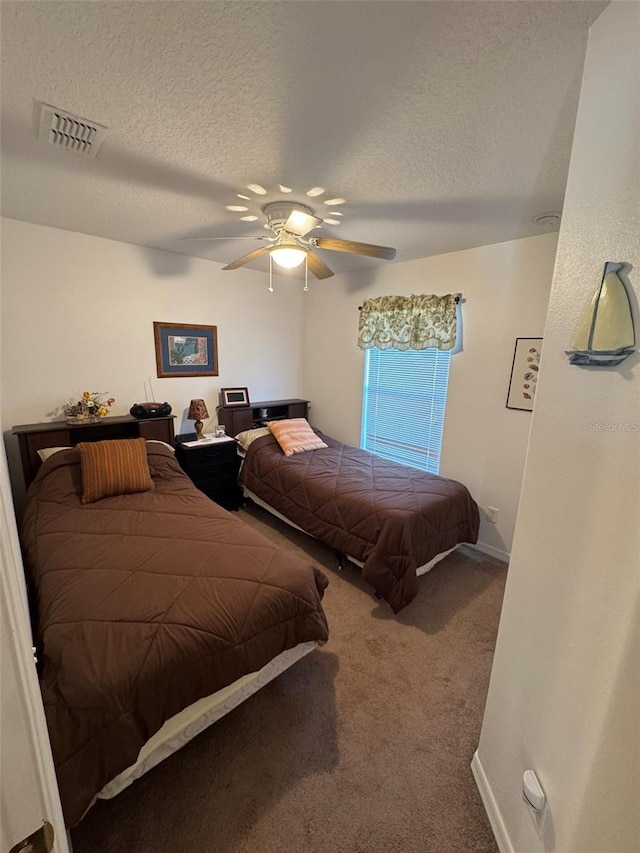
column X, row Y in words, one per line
column 288, row 258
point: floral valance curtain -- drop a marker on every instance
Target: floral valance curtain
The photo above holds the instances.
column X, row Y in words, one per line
column 408, row 322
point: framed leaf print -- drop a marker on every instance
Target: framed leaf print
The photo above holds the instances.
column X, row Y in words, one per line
column 524, row 374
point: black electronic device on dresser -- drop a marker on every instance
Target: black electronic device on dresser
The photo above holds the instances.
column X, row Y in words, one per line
column 213, row 466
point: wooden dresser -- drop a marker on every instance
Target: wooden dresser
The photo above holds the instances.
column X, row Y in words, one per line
column 33, row 437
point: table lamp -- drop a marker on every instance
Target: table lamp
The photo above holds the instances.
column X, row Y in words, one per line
column 197, row 411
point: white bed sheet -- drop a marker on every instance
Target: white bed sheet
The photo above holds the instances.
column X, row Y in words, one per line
column 184, row 726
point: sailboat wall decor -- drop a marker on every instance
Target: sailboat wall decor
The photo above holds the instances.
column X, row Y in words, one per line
column 605, row 336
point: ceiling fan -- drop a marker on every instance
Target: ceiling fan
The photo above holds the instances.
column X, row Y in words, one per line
column 290, row 246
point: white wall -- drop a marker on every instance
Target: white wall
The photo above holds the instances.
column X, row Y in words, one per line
column 506, row 291
column 78, row 312
column 564, row 697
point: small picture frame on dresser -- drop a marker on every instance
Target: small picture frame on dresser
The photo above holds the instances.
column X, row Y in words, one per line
column 230, row 397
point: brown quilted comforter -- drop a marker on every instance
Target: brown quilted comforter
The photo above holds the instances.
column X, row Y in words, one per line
column 391, row 517
column 145, row 604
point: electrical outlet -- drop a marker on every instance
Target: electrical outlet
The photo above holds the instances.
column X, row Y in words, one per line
column 492, row 514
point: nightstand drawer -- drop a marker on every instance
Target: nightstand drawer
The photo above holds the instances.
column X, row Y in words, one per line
column 213, row 483
column 212, row 453
column 208, row 455
column 228, row 495
column 217, row 468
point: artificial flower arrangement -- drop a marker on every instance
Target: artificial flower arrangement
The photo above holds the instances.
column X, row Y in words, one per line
column 92, row 406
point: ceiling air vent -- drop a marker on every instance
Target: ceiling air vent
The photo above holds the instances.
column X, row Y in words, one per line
column 73, row 133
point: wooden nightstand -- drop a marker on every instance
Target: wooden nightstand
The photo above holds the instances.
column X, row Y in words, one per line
column 213, row 467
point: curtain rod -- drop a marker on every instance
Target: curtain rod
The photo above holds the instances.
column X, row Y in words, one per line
column 457, row 299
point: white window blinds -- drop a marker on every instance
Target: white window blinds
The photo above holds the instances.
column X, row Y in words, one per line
column 405, row 394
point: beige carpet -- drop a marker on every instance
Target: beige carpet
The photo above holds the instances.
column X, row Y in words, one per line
column 361, row 747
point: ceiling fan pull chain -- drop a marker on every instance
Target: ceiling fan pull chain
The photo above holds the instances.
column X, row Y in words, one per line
column 270, row 274
column 306, row 271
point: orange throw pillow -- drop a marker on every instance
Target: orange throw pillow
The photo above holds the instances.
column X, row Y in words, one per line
column 112, row 468
column 294, row 435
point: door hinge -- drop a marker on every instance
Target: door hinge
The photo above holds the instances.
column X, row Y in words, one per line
column 40, row 841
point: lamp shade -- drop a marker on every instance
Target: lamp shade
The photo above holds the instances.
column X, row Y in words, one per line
column 197, row 410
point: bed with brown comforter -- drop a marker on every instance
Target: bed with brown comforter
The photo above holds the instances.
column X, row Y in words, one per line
column 145, row 604
column 392, row 518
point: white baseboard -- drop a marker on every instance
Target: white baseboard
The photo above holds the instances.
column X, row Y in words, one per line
column 491, row 807
column 498, row 553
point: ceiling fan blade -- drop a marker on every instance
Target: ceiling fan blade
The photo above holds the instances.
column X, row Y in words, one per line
column 229, row 237
column 245, row 259
column 367, row 249
column 300, row 223
column 318, row 266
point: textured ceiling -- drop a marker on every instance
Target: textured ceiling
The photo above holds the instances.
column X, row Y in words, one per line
column 443, row 125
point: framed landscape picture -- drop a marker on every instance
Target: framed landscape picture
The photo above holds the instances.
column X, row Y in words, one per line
column 524, row 374
column 186, row 350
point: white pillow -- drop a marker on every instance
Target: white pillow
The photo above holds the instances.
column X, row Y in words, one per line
column 157, row 441
column 246, row 438
column 46, row 452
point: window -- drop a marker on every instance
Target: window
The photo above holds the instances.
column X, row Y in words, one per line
column 405, row 394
